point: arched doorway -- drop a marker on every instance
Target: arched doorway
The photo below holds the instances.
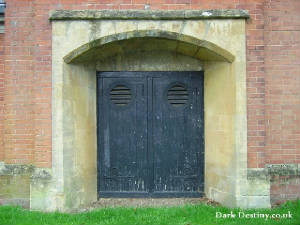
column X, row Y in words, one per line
column 137, row 52
column 147, row 46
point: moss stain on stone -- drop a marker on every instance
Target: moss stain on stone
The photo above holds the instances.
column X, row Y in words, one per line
column 147, row 14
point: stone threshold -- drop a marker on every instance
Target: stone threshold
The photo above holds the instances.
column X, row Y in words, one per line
column 148, row 14
column 145, row 202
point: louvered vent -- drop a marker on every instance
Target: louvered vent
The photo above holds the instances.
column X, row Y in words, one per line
column 120, row 95
column 178, row 95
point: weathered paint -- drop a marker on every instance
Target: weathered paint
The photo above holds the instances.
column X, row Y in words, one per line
column 155, row 134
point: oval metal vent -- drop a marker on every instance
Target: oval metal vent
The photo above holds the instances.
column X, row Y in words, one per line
column 178, row 95
column 120, row 95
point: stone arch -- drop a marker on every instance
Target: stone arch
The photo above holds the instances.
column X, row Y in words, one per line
column 114, row 44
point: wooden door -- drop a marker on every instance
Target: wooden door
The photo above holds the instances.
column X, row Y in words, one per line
column 150, row 134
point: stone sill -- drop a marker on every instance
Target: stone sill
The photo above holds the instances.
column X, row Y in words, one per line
column 148, row 14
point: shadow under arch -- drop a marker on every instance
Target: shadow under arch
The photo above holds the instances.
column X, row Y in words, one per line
column 148, row 40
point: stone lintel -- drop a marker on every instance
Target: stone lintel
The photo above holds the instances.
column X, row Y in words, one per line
column 148, row 14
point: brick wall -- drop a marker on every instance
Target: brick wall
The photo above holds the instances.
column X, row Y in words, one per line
column 283, row 188
column 272, row 75
column 255, row 84
column 28, row 61
column 282, row 43
column 1, row 96
column 19, row 133
column 282, row 98
column 27, row 84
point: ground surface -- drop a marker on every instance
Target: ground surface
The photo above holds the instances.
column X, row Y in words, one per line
column 146, row 202
column 184, row 215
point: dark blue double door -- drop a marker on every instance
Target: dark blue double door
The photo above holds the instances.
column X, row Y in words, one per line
column 150, row 134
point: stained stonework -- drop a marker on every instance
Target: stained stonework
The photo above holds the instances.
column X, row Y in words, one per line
column 15, row 184
column 19, row 182
column 148, row 15
column 83, row 42
column 148, row 41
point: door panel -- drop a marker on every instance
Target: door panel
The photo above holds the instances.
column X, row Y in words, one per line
column 150, row 134
column 178, row 133
column 123, row 131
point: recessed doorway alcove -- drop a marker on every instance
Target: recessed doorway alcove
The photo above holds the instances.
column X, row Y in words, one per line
column 84, row 42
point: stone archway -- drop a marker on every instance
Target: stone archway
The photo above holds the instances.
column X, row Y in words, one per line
column 91, row 41
column 148, row 40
